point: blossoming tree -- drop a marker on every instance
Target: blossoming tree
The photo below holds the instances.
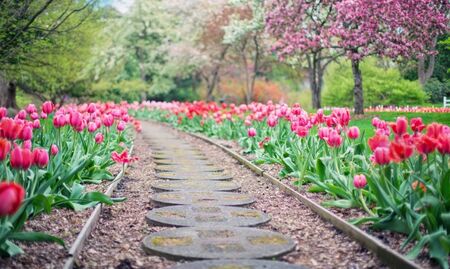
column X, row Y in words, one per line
column 360, row 28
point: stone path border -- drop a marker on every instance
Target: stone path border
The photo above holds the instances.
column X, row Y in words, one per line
column 237, row 264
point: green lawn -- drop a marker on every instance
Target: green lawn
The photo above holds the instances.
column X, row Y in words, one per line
column 365, row 123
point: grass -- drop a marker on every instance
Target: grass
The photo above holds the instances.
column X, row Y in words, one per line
column 365, row 122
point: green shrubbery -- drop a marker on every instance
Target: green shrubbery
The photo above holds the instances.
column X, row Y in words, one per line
column 382, row 86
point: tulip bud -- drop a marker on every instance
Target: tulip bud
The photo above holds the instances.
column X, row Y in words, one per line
column 91, row 108
column 92, row 127
column 359, row 181
column 251, row 132
column 11, row 197
column 22, row 114
column 121, row 126
column 99, row 138
column 334, row 139
column 59, row 120
column 36, row 124
column 54, row 150
column 21, row 158
column 40, row 157
column 43, row 115
column 353, row 132
column 381, row 155
column 47, row 107
column 108, row 120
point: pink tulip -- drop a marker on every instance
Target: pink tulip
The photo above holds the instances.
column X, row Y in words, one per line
column 3, row 112
column 27, row 133
column 47, row 107
column 54, row 150
column 43, row 115
column 59, row 120
column 91, row 108
column 353, row 132
column 40, row 157
column 21, row 158
column 108, row 120
column 22, row 114
column 334, row 139
column 31, row 108
column 381, row 155
column 27, row 144
column 251, row 132
column 99, row 138
column 36, row 124
column 121, row 126
column 92, row 127
column 359, row 181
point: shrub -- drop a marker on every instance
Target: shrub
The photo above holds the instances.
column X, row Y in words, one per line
column 382, row 86
column 436, row 90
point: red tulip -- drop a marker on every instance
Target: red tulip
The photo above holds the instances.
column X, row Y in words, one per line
column 302, row 131
column 417, row 125
column 251, row 132
column 10, row 129
column 434, row 130
column 400, row 151
column 3, row 112
column 40, row 157
column 122, row 157
column 425, row 144
column 359, row 181
column 353, row 132
column 54, row 150
column 381, row 156
column 98, row 138
column 400, row 126
column 444, row 144
column 47, row 107
column 11, row 197
column 378, row 141
column 21, row 158
column 5, row 147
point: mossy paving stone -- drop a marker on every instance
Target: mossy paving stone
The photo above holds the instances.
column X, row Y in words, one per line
column 199, row 216
column 193, row 176
column 205, row 198
column 180, row 161
column 188, row 168
column 193, row 185
column 220, row 242
column 238, row 264
column 174, row 156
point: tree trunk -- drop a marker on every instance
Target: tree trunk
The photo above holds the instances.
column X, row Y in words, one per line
column 425, row 65
column 314, row 74
column 7, row 93
column 358, row 88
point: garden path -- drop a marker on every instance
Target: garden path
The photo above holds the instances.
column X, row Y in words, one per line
column 134, row 234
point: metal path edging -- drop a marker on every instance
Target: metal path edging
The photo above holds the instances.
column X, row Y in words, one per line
column 90, row 224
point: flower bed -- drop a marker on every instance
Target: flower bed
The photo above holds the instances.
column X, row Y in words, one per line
column 399, row 177
column 47, row 158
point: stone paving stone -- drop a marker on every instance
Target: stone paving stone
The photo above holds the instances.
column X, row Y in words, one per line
column 188, row 168
column 209, row 216
column 217, row 243
column 182, row 162
column 193, row 176
column 238, row 264
column 175, row 157
column 202, row 198
column 192, row 185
